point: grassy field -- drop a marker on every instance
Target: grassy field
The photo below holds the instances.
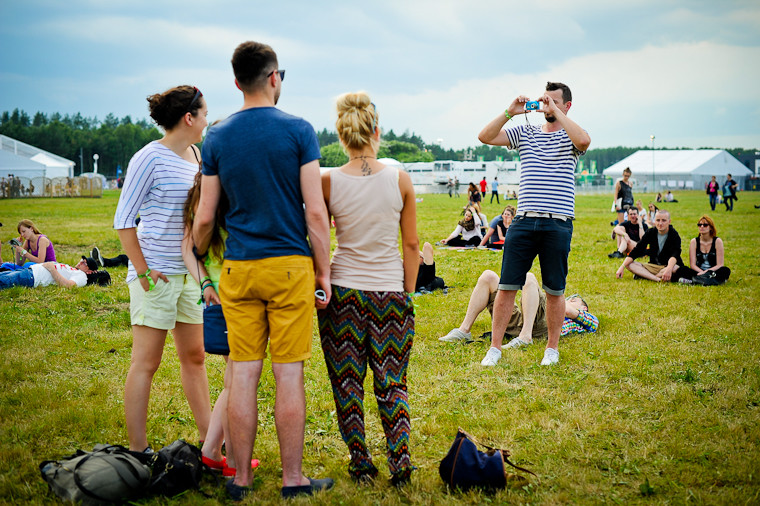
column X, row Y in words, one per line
column 662, row 405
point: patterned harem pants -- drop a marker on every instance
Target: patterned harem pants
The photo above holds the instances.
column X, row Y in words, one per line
column 359, row 328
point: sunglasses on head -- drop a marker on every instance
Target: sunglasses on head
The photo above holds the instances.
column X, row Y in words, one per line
column 281, row 72
column 197, row 95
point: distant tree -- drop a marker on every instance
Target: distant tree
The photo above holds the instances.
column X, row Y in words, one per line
column 39, row 120
column 405, row 152
column 333, row 155
column 326, row 137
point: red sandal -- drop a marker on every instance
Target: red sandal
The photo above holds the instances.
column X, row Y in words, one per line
column 231, row 471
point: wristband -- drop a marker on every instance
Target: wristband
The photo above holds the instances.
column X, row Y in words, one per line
column 206, row 284
column 506, row 113
column 146, row 275
column 205, row 278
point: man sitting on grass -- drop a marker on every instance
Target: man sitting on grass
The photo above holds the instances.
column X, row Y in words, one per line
column 528, row 319
column 663, row 245
column 49, row 273
column 628, row 233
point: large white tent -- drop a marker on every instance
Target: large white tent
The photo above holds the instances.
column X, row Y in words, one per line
column 682, row 168
column 52, row 165
column 20, row 166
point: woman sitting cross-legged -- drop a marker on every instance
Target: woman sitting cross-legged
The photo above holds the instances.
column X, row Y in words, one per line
column 705, row 257
column 467, row 232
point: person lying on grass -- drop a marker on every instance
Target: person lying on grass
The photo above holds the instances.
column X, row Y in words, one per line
column 528, row 319
column 53, row 273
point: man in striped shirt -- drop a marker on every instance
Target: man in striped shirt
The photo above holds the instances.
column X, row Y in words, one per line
column 543, row 226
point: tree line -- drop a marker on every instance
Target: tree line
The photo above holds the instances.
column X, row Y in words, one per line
column 116, row 140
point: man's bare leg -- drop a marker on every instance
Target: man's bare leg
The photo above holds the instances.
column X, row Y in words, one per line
column 242, row 411
column 290, row 420
column 529, row 306
column 555, row 316
column 488, row 282
column 502, row 312
column 640, row 270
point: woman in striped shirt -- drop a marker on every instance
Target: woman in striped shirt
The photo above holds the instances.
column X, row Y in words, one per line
column 163, row 296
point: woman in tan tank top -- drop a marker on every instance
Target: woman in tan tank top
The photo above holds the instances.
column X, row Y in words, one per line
column 369, row 320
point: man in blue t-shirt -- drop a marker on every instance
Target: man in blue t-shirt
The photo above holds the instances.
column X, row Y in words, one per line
column 545, row 210
column 266, row 164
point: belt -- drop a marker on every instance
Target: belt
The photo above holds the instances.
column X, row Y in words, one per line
column 534, row 214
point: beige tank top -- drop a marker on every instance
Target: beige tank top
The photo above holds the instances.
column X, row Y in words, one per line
column 367, row 213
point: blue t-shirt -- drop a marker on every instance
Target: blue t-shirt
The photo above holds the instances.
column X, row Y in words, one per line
column 257, row 154
column 495, row 222
column 547, row 169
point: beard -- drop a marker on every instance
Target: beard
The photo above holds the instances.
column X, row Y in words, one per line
column 551, row 118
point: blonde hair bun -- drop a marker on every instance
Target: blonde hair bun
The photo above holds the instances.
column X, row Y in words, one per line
column 357, row 120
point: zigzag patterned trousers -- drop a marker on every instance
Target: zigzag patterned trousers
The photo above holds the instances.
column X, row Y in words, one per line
column 360, row 328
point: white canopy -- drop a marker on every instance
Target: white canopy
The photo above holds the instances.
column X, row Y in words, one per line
column 680, row 168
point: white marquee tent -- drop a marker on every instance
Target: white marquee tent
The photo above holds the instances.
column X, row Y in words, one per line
column 685, row 169
column 47, row 164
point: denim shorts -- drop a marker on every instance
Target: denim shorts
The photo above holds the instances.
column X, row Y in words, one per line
column 526, row 238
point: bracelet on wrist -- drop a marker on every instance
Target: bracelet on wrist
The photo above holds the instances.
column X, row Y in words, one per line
column 146, row 275
column 506, row 113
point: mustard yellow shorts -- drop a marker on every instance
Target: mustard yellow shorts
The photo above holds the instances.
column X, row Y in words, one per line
column 653, row 268
column 167, row 304
column 270, row 300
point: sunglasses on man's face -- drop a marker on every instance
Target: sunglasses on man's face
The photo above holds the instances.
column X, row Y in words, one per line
column 281, row 72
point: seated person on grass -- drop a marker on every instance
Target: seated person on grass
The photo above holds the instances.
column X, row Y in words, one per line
column 663, row 245
column 427, row 281
column 50, row 273
column 497, row 229
column 705, row 257
column 528, row 319
column 628, row 233
column 467, row 232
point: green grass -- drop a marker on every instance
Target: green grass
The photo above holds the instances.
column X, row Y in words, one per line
column 662, row 405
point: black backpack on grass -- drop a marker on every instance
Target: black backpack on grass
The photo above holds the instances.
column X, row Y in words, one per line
column 176, row 468
column 108, row 474
column 113, row 474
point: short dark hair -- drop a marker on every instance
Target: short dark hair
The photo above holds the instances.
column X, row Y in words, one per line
column 251, row 62
column 567, row 96
column 101, row 278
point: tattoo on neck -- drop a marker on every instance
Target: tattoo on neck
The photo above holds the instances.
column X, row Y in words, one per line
column 366, row 169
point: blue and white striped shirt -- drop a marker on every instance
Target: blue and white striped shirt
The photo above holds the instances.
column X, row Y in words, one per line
column 156, row 188
column 547, row 168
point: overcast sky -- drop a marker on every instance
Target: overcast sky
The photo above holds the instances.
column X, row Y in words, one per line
column 686, row 71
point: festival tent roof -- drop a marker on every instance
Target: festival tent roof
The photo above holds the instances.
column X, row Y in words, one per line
column 680, row 162
column 55, row 166
column 20, row 166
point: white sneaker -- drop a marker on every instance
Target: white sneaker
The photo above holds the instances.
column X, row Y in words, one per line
column 455, row 335
column 551, row 357
column 517, row 343
column 491, row 358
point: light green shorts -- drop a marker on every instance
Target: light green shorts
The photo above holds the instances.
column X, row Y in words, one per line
column 167, row 304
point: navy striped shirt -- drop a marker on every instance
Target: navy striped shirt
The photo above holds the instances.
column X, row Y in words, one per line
column 156, row 188
column 547, row 168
